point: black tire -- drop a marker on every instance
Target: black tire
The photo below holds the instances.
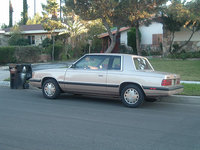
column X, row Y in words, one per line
column 132, row 96
column 51, row 89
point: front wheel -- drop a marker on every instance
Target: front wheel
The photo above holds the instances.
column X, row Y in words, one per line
column 132, row 96
column 51, row 89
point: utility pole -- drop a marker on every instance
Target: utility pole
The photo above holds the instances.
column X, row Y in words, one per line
column 34, row 7
column 10, row 14
column 61, row 10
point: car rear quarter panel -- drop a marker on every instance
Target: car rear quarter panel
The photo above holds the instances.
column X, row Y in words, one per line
column 129, row 74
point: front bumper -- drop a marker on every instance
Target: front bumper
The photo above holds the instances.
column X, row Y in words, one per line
column 35, row 83
column 162, row 91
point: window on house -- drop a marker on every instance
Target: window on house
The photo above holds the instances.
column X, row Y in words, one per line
column 157, row 39
column 31, row 40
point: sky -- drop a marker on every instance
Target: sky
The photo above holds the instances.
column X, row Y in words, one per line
column 18, row 8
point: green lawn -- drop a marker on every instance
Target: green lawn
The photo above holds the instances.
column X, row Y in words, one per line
column 191, row 89
column 188, row 69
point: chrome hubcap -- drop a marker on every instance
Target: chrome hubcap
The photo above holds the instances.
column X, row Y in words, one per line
column 131, row 96
column 49, row 89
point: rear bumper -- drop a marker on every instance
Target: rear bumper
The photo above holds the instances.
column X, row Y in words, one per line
column 162, row 91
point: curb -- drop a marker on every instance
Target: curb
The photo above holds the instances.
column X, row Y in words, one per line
column 191, row 82
column 181, row 99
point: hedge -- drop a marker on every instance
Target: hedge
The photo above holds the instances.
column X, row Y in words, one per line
column 7, row 55
column 16, row 54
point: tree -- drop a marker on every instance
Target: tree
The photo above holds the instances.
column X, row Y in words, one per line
column 140, row 11
column 181, row 15
column 37, row 19
column 16, row 38
column 174, row 17
column 25, row 12
column 73, row 26
column 109, row 11
column 4, row 26
column 193, row 22
column 50, row 20
column 10, row 14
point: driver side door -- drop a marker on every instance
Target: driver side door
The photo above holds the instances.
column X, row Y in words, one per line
column 89, row 75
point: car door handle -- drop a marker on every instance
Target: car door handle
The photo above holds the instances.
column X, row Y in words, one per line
column 100, row 75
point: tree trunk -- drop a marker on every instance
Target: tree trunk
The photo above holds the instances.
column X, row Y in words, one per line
column 112, row 37
column 193, row 31
column 53, row 48
column 171, row 43
column 112, row 45
column 138, row 39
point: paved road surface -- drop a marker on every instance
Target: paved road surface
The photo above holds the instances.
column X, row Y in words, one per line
column 30, row 122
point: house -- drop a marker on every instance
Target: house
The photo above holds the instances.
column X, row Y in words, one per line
column 180, row 38
column 154, row 37
column 121, row 39
column 3, row 38
column 34, row 33
column 151, row 37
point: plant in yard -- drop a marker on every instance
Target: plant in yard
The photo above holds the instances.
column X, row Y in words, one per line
column 50, row 20
column 140, row 12
column 179, row 15
column 110, row 12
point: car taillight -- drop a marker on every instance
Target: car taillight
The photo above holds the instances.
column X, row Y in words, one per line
column 166, row 82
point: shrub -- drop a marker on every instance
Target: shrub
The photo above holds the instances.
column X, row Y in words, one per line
column 132, row 39
column 7, row 55
column 27, row 54
column 184, row 55
column 15, row 54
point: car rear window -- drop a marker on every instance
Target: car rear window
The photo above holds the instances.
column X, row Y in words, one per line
column 142, row 64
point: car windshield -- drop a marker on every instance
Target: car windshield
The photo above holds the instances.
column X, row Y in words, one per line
column 142, row 64
column 93, row 62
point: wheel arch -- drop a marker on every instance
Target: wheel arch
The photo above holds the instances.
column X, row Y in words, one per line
column 124, row 84
column 47, row 78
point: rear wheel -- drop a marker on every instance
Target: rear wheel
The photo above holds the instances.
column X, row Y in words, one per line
column 51, row 89
column 132, row 96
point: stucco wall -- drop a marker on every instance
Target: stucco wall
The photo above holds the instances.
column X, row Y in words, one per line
column 124, row 38
column 148, row 31
column 184, row 35
column 39, row 39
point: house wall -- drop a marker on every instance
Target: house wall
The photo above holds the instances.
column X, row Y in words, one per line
column 39, row 39
column 180, row 38
column 148, row 31
column 184, row 35
column 124, row 38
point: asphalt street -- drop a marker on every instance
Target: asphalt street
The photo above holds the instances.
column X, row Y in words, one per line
column 30, row 122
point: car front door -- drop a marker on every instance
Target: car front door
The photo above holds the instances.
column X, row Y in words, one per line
column 88, row 75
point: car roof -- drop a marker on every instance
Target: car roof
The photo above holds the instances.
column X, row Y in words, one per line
column 115, row 54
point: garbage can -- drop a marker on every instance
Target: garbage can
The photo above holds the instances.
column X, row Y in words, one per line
column 19, row 75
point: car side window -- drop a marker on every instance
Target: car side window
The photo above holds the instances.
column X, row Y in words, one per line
column 116, row 65
column 93, row 62
column 141, row 64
